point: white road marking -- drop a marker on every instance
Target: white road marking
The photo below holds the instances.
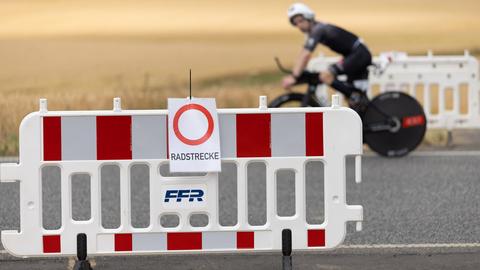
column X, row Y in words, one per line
column 415, row 246
column 433, row 154
column 446, row 153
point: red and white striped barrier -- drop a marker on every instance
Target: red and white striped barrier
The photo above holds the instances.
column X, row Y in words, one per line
column 84, row 141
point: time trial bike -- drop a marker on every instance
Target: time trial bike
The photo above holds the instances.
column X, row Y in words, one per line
column 394, row 123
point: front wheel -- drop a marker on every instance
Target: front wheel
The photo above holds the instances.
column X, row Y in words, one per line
column 394, row 124
column 293, row 100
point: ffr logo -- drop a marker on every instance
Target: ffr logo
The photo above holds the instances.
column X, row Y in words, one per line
column 179, row 194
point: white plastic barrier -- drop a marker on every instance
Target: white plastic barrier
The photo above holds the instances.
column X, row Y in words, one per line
column 447, row 86
column 84, row 141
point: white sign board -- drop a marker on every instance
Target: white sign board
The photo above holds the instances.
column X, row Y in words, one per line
column 193, row 137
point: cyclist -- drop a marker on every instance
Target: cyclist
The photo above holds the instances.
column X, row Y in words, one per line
column 356, row 56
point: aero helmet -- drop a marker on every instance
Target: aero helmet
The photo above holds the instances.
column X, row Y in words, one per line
column 300, row 9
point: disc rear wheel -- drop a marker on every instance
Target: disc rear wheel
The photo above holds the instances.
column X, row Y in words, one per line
column 404, row 118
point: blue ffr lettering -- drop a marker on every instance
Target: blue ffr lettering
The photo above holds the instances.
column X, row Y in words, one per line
column 191, row 195
column 170, row 194
column 196, row 194
column 182, row 194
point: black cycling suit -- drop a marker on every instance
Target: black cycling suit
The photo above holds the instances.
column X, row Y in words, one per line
column 356, row 56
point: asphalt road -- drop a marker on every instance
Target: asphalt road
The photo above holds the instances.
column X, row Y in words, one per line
column 427, row 198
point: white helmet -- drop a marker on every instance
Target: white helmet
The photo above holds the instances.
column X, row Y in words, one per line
column 300, row 9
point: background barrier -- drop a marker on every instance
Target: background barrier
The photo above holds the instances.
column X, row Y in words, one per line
column 80, row 145
column 447, row 86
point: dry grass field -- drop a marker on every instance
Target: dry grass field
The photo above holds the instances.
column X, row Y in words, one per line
column 81, row 54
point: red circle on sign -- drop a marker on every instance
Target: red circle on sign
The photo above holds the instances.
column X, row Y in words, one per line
column 205, row 112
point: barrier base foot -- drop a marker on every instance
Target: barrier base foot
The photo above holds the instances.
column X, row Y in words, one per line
column 82, row 265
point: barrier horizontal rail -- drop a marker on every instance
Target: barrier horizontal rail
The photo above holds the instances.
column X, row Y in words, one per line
column 447, row 86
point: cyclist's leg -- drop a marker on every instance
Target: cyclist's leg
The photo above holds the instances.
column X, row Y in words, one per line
column 355, row 66
column 356, row 97
column 346, row 88
column 358, row 61
column 336, row 70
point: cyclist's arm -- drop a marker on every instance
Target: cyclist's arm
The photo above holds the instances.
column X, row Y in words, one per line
column 301, row 63
column 312, row 40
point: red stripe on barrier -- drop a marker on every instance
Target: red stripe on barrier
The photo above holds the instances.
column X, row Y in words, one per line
column 184, row 241
column 253, row 135
column 316, row 238
column 51, row 244
column 123, row 242
column 52, row 138
column 114, row 137
column 245, row 240
column 314, row 134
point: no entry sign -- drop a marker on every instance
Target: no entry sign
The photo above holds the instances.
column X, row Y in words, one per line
column 194, row 143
